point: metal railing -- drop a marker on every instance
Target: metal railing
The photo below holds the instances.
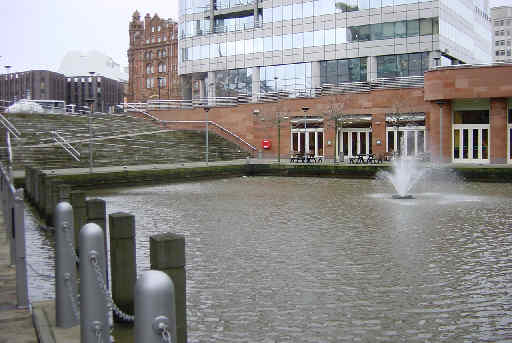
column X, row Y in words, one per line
column 13, row 207
column 66, row 146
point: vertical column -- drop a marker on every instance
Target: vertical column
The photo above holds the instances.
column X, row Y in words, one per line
column 379, row 134
column 255, row 82
column 211, row 88
column 202, row 89
column 441, row 132
column 315, row 75
column 122, row 260
column 371, row 68
column 167, row 254
column 498, row 131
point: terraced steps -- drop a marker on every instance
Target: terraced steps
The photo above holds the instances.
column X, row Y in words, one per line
column 116, row 140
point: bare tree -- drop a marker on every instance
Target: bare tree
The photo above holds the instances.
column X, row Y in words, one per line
column 334, row 116
column 399, row 109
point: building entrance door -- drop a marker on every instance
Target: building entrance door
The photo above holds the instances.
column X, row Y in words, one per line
column 470, row 143
column 356, row 141
column 311, row 141
column 408, row 141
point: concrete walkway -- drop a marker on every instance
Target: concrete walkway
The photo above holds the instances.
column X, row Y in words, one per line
column 15, row 325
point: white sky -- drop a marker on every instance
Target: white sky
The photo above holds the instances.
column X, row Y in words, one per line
column 36, row 34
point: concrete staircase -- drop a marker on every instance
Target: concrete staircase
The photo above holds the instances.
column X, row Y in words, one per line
column 117, row 140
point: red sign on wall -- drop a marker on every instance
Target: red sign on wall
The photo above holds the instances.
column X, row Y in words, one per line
column 266, row 144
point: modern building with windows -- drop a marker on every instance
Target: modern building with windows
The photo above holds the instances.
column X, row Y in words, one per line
column 153, row 59
column 106, row 93
column 249, row 47
column 501, row 33
column 32, row 84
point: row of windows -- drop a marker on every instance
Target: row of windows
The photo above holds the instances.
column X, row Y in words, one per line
column 502, row 22
column 323, row 6
column 402, row 65
column 502, row 33
column 502, row 52
column 159, row 53
column 410, row 28
column 343, row 70
column 162, row 68
column 151, row 81
column 298, row 76
column 502, row 42
column 285, row 77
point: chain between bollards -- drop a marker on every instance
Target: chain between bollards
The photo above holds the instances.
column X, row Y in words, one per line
column 108, row 297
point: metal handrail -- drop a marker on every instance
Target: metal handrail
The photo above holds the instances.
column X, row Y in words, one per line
column 10, row 127
column 66, row 146
column 222, row 128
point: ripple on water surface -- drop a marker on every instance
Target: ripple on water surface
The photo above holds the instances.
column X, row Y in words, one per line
column 323, row 260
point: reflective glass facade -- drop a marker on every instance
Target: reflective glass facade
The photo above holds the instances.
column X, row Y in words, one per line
column 285, row 77
column 345, row 70
column 402, row 65
column 338, row 41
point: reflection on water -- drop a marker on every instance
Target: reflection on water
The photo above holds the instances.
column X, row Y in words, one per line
column 328, row 260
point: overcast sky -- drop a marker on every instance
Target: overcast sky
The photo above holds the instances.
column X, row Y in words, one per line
column 36, row 34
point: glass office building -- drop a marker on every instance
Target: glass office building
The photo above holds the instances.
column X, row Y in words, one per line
column 233, row 47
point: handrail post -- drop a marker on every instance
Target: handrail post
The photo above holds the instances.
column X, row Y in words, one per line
column 94, row 324
column 155, row 311
column 65, row 270
column 21, row 267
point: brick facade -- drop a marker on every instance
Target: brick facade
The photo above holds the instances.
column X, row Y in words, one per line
column 153, row 54
column 442, row 87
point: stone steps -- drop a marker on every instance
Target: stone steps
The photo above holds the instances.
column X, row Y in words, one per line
column 135, row 146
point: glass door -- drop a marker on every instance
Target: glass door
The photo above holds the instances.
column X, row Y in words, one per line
column 407, row 141
column 356, row 141
column 311, row 141
column 470, row 143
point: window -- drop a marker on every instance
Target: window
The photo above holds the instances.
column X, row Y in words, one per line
column 267, row 44
column 298, row 40
column 277, row 43
column 287, row 12
column 278, row 14
column 149, row 66
column 425, row 26
column 413, row 28
column 287, row 41
column 297, row 11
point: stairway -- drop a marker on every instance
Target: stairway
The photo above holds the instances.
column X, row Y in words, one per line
column 117, row 140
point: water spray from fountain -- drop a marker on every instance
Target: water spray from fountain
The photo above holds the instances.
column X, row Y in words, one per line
column 405, row 174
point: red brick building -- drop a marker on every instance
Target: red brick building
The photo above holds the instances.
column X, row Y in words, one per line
column 153, row 59
column 462, row 114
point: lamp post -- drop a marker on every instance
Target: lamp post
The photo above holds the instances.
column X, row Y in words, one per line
column 279, row 136
column 206, row 109
column 159, row 84
column 89, row 120
column 305, row 109
column 8, row 83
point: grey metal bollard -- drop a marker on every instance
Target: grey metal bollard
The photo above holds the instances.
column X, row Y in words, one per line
column 155, row 314
column 21, row 267
column 65, row 271
column 94, row 323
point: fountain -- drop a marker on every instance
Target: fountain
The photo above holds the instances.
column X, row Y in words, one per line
column 405, row 174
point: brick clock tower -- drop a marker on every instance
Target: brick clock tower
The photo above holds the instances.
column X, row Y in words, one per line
column 153, row 59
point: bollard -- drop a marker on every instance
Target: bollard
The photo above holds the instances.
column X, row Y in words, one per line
column 65, row 271
column 123, row 268
column 97, row 214
column 167, row 254
column 21, row 267
column 10, row 226
column 94, row 324
column 155, row 316
column 79, row 214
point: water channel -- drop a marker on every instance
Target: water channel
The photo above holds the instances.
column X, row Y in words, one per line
column 274, row 259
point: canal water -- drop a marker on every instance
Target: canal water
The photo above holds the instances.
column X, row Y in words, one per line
column 274, row 259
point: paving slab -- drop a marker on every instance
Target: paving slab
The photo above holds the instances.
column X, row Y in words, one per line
column 15, row 324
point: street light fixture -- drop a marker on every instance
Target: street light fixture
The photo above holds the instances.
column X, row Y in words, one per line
column 305, row 109
column 206, row 110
